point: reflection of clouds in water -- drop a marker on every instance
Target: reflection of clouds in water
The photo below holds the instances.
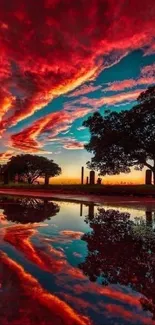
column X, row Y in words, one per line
column 71, row 234
column 53, row 225
column 45, row 256
column 110, row 301
column 34, row 305
column 66, row 277
column 77, row 254
column 42, row 256
column 73, row 286
column 38, row 296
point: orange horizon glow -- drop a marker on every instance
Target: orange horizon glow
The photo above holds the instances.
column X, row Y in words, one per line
column 109, row 180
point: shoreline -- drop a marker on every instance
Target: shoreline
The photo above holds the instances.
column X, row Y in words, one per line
column 80, row 197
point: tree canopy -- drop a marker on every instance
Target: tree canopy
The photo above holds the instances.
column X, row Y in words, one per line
column 30, row 167
column 122, row 140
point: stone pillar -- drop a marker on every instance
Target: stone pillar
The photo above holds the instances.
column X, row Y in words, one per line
column 81, row 209
column 92, row 177
column 148, row 177
column 91, row 211
column 87, row 180
column 82, row 175
column 99, row 181
column 149, row 218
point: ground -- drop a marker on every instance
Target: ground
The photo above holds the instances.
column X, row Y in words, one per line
column 129, row 191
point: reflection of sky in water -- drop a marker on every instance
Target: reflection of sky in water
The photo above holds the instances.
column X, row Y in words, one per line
column 50, row 250
column 134, row 212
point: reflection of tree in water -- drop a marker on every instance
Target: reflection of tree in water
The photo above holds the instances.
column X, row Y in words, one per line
column 121, row 251
column 25, row 210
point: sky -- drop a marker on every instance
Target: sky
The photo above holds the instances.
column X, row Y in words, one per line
column 62, row 60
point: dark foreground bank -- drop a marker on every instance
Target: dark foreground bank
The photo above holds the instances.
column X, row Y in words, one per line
column 99, row 190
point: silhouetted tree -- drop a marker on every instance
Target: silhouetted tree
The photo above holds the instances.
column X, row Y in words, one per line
column 5, row 176
column 28, row 210
column 30, row 167
column 121, row 251
column 122, row 140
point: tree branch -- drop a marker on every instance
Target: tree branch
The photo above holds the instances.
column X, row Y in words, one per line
column 35, row 177
column 148, row 165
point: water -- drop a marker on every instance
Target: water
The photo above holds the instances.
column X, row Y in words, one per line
column 66, row 263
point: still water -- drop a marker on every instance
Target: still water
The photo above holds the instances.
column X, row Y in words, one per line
column 66, row 263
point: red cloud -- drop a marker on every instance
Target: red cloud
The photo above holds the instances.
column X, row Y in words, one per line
column 129, row 83
column 72, row 144
column 148, row 70
column 108, row 100
column 6, row 102
column 147, row 77
column 69, row 143
column 50, row 48
column 84, row 89
column 150, row 49
column 50, row 125
column 5, row 156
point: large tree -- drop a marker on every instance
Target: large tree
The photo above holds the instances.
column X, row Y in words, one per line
column 30, row 167
column 122, row 140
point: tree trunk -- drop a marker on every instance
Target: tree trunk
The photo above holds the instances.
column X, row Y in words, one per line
column 29, row 180
column 149, row 219
column 154, row 173
column 46, row 179
column 154, row 177
column 6, row 178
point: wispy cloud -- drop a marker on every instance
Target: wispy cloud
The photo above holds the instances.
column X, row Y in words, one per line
column 69, row 143
column 150, row 49
column 5, row 156
column 80, row 128
column 108, row 100
column 49, row 126
column 129, row 83
column 148, row 70
column 84, row 89
column 73, row 144
column 146, row 78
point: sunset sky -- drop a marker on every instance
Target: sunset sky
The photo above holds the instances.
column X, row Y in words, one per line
column 60, row 61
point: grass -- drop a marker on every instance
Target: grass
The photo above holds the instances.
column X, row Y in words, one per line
column 125, row 190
